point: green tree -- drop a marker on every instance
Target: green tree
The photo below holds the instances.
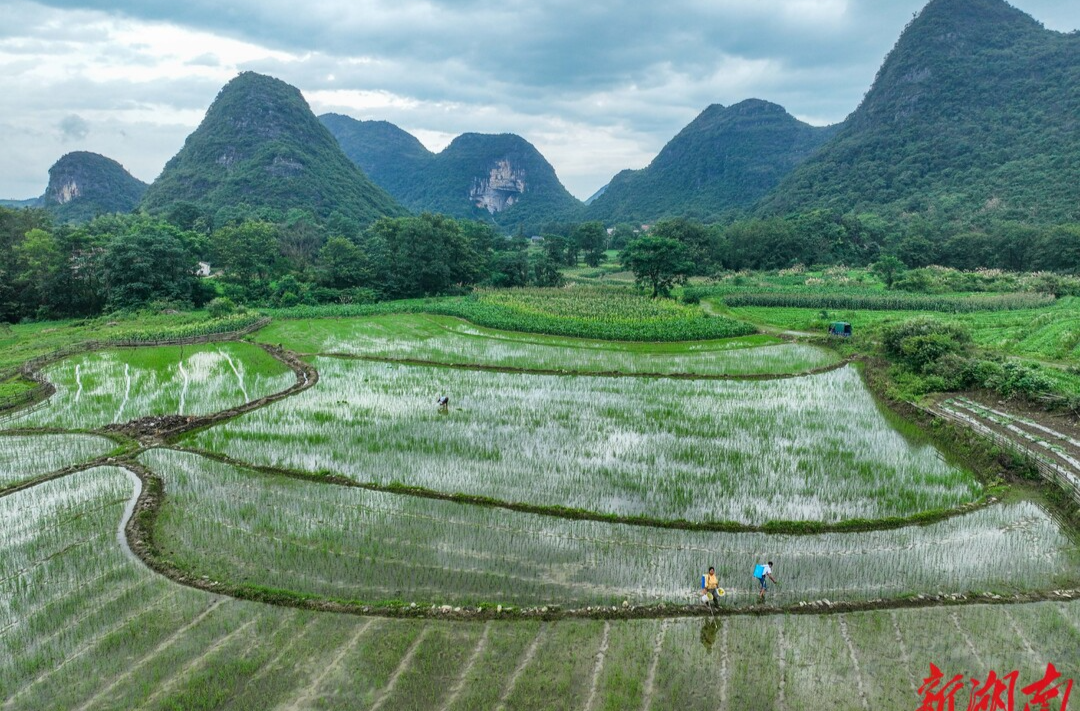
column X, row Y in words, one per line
column 1059, row 249
column 148, row 264
column 39, row 262
column 702, row 243
column 543, row 271
column 762, row 244
column 248, row 252
column 658, row 263
column 423, row 256
column 591, row 238
column 509, row 268
column 343, row 265
column 888, row 268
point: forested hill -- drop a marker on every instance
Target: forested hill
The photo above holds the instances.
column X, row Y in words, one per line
column 973, row 115
column 261, row 146
column 391, row 157
column 497, row 178
column 728, row 157
column 83, row 185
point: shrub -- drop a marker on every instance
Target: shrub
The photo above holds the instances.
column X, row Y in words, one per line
column 922, row 341
column 221, row 306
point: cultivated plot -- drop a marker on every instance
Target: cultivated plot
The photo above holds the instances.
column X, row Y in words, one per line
column 441, row 339
column 25, row 457
column 248, row 528
column 110, row 387
column 85, row 626
column 811, row 448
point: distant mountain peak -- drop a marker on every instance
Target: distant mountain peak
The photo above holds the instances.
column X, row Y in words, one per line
column 499, row 177
column 261, row 145
column 83, row 185
column 727, row 158
column 973, row 110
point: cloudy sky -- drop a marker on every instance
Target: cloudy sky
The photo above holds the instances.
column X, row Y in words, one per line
column 597, row 85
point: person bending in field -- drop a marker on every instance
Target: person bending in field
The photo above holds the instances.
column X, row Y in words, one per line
column 712, row 597
column 761, row 572
column 443, row 402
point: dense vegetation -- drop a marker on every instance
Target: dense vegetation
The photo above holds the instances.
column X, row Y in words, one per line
column 261, row 146
column 971, row 118
column 444, row 183
column 938, row 356
column 84, row 185
column 609, row 314
column 726, row 159
column 892, row 302
column 123, row 262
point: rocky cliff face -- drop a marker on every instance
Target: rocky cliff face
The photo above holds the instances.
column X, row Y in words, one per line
column 497, row 178
column 66, row 192
column 502, row 188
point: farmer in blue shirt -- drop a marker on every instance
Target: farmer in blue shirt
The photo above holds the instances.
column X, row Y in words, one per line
column 761, row 572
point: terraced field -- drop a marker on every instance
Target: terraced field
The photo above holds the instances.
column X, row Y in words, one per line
column 354, row 577
column 84, row 625
column 111, row 387
column 813, row 448
column 450, row 341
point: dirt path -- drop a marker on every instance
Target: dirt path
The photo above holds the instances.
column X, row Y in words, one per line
column 967, row 639
column 710, row 307
column 194, row 664
column 860, row 682
column 901, row 646
column 725, row 665
column 87, row 646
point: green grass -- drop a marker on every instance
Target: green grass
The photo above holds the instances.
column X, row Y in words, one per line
column 106, row 387
column 311, row 538
column 443, row 339
column 609, row 313
column 22, row 342
column 1051, row 333
column 894, row 301
column 14, row 387
column 814, row 448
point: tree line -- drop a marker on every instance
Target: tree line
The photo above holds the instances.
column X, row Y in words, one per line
column 271, row 258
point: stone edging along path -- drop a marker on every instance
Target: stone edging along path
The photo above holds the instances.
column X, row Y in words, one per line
column 136, row 436
column 139, row 531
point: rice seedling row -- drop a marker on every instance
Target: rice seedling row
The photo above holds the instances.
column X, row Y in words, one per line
column 1057, row 464
column 436, row 339
column 261, row 531
column 147, row 643
column 24, row 457
column 110, row 387
column 807, row 449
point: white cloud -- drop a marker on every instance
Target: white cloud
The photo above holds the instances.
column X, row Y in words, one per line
column 597, row 87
